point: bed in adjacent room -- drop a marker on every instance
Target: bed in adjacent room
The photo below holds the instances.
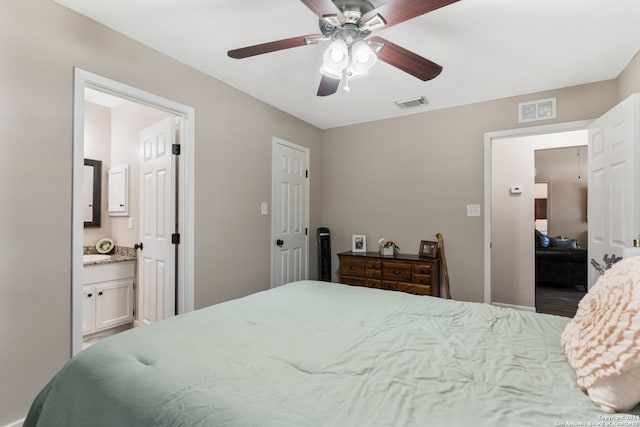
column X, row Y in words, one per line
column 324, row 354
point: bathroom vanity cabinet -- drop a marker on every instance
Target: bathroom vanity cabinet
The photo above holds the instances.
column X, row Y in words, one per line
column 107, row 296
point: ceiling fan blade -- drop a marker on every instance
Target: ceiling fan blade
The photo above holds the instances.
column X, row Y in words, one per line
column 328, row 86
column 325, row 8
column 406, row 60
column 259, row 49
column 397, row 11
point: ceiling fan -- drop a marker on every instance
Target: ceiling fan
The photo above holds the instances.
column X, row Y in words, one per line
column 352, row 53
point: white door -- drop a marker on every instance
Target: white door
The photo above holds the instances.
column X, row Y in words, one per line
column 614, row 190
column 289, row 216
column 156, row 294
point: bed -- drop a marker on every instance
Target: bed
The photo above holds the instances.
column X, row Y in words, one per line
column 323, row 354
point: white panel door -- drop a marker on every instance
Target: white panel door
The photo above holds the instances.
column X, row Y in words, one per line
column 614, row 190
column 289, row 216
column 156, row 294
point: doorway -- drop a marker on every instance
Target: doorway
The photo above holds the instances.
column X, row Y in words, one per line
column 184, row 196
column 517, row 272
column 560, row 217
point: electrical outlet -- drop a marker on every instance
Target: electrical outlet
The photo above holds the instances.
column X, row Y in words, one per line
column 473, row 210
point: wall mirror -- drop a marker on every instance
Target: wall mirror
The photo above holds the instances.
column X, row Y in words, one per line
column 92, row 192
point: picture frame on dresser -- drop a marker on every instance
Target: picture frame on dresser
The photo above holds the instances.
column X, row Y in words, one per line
column 359, row 243
column 428, row 249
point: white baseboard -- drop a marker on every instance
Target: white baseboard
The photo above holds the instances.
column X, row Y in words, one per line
column 16, row 423
column 517, row 307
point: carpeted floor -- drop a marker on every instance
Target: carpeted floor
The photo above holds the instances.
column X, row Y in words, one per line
column 561, row 301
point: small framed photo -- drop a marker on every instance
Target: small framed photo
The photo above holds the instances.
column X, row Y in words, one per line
column 428, row 249
column 358, row 243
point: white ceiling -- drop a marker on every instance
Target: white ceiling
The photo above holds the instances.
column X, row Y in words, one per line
column 489, row 49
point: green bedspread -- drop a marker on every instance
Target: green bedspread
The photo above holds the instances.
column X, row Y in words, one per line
column 322, row 354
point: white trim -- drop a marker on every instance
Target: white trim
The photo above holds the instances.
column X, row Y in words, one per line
column 512, row 133
column 516, row 307
column 307, row 152
column 186, row 250
column 18, row 423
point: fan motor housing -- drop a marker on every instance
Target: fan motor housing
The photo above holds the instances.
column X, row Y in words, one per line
column 350, row 31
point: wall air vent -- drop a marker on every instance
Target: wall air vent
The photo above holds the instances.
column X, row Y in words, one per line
column 541, row 109
column 412, row 102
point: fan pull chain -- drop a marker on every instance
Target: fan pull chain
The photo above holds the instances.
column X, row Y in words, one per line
column 346, row 71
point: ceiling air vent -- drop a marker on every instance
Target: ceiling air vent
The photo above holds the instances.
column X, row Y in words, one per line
column 412, row 102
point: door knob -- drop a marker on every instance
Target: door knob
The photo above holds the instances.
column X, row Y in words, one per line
column 280, row 242
column 138, row 246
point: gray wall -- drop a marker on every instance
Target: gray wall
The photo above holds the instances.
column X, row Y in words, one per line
column 404, row 178
column 40, row 44
column 567, row 208
column 409, row 178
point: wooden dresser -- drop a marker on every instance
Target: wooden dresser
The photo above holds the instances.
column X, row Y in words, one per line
column 400, row 272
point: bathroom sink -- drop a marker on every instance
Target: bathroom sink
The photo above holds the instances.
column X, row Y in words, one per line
column 94, row 257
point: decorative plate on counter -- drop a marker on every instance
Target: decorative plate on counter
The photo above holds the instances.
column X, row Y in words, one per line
column 104, row 245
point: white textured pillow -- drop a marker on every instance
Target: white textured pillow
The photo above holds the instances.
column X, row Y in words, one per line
column 602, row 341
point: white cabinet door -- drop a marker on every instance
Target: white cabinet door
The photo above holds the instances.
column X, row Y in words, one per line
column 114, row 303
column 88, row 309
column 119, row 191
column 107, row 296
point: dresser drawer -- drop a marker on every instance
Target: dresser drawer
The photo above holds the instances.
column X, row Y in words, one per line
column 351, row 266
column 422, row 279
column 374, row 264
column 400, row 271
column 413, row 288
column 423, row 269
column 354, row 281
column 374, row 274
column 374, row 283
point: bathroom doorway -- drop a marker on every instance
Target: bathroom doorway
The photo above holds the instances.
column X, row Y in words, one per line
column 128, row 111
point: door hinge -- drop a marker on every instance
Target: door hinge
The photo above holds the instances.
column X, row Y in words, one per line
column 175, row 149
column 306, row 231
column 306, row 173
column 175, row 238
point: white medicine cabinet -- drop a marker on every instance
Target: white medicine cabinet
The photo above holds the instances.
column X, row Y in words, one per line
column 119, row 191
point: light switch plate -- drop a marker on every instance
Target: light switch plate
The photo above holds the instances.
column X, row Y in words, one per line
column 473, row 210
column 264, row 210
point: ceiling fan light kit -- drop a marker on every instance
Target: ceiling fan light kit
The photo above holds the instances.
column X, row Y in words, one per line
column 348, row 24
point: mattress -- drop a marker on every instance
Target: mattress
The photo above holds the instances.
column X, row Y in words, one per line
column 323, row 354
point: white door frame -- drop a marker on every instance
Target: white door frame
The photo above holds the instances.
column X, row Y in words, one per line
column 511, row 133
column 275, row 141
column 186, row 211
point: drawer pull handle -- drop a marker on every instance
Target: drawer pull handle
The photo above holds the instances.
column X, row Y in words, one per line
column 89, row 295
column 353, row 267
column 397, row 271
